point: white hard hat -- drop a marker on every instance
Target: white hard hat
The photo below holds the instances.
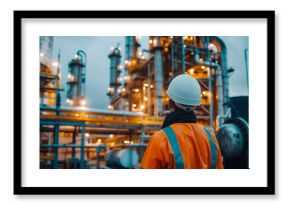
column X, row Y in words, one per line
column 185, row 90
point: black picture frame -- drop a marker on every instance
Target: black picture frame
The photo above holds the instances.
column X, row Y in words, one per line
column 269, row 16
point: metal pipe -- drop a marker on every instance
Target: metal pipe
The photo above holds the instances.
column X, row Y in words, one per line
column 219, row 80
column 91, row 110
column 72, row 146
column 246, row 61
column 55, row 149
column 182, row 55
column 130, row 153
column 149, row 81
column 224, row 68
column 74, row 149
column 210, row 72
column 211, row 97
column 149, row 87
column 158, row 77
column 97, row 158
column 82, row 163
column 172, row 58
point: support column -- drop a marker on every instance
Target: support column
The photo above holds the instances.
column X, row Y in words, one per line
column 158, row 77
column 82, row 163
column 182, row 55
column 55, row 143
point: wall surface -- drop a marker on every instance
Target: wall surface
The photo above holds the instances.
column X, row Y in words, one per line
column 282, row 100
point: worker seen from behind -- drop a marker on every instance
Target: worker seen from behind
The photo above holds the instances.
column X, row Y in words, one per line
column 182, row 143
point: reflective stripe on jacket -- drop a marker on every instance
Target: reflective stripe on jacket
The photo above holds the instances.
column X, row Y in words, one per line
column 182, row 146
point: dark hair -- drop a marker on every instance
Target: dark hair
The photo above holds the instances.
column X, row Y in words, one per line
column 172, row 103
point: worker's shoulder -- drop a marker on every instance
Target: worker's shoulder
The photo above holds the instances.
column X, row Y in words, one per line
column 159, row 136
column 187, row 126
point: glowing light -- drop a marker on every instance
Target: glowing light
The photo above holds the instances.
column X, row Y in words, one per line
column 41, row 54
column 150, row 41
column 111, row 135
column 142, row 107
column 204, row 93
column 76, row 56
column 126, row 61
column 136, row 90
column 83, row 102
column 77, row 115
column 202, row 67
column 87, row 134
column 145, row 98
column 140, row 53
column 99, row 140
column 120, row 79
column 68, row 100
column 191, row 71
column 145, row 84
column 110, row 107
column 112, row 48
column 126, row 142
column 54, row 64
column 200, row 59
column 118, row 90
column 142, row 57
column 134, row 105
column 119, row 67
column 123, row 90
column 151, row 86
column 70, row 77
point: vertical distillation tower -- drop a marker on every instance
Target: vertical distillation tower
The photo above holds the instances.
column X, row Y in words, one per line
column 131, row 63
column 76, row 80
column 115, row 70
column 158, row 76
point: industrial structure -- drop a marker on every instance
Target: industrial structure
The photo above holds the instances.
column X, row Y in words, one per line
column 74, row 136
column 146, row 80
column 76, row 83
column 49, row 72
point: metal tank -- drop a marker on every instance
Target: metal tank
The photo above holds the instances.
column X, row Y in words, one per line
column 233, row 138
column 122, row 159
column 76, row 80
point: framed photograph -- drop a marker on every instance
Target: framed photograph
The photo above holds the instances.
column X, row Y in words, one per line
column 144, row 102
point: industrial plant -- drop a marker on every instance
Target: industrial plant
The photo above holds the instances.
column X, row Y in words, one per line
column 75, row 136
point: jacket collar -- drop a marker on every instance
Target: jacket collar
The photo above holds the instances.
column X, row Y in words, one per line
column 179, row 116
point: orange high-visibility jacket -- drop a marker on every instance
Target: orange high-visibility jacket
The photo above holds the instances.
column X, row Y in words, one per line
column 182, row 146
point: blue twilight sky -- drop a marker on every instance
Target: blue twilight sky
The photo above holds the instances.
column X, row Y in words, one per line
column 97, row 49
